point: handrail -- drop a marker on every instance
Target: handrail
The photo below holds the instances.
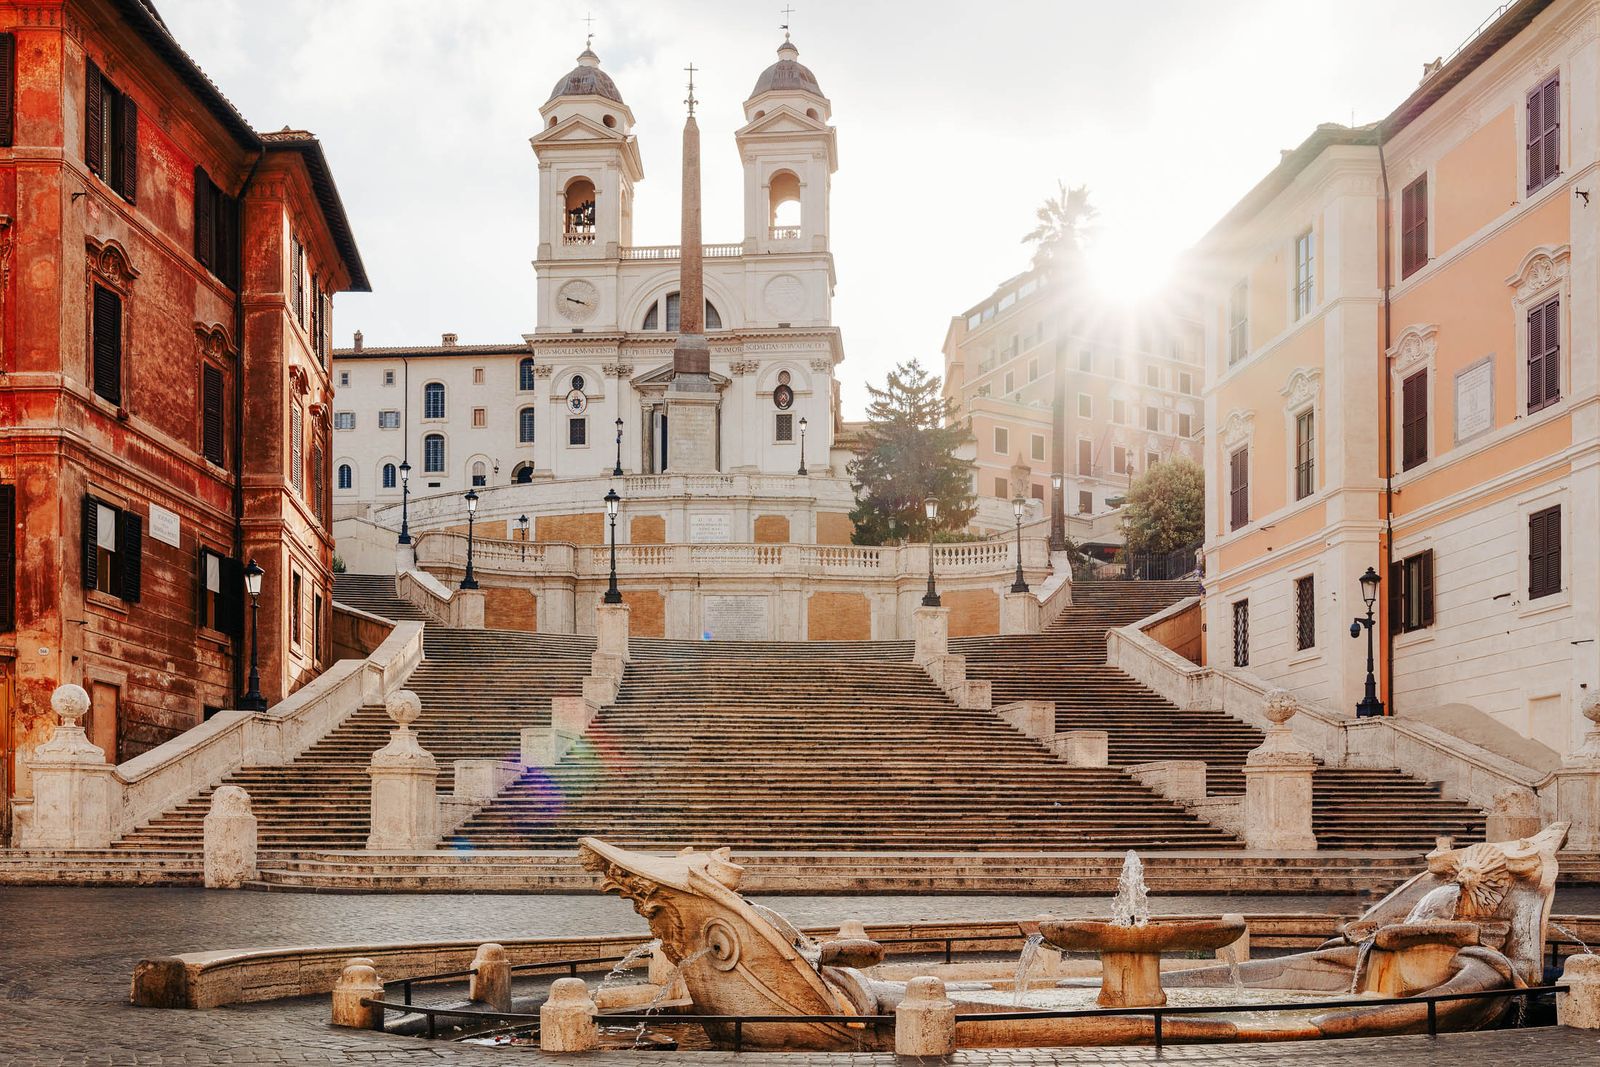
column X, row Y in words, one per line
column 738, row 1021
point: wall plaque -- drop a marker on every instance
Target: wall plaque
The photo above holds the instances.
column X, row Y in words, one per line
column 1475, row 400
column 736, row 618
column 164, row 525
column 713, row 529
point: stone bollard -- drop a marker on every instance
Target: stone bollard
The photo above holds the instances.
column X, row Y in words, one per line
column 230, row 839
column 925, row 1021
column 566, row 1021
column 72, row 783
column 491, row 977
column 1277, row 790
column 853, row 930
column 611, row 630
column 358, row 980
column 1240, row 949
column 1579, row 1006
column 1513, row 814
column 1578, row 784
column 405, row 805
column 466, row 609
column 931, row 629
column 1083, row 748
column 1019, row 613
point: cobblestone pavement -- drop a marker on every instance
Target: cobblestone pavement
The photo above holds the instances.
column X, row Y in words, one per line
column 66, row 956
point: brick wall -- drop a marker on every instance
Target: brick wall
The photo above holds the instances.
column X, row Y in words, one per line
column 647, row 530
column 648, row 612
column 973, row 612
column 578, row 529
column 772, row 529
column 511, row 609
column 838, row 617
column 834, row 528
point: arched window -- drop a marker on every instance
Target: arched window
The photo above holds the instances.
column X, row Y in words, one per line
column 433, row 454
column 522, row 473
column 579, row 205
column 433, row 400
column 652, row 318
column 480, row 473
column 388, row 475
column 525, row 378
column 347, row 477
column 525, row 426
column 783, row 206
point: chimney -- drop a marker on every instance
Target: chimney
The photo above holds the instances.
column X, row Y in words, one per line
column 358, row 341
column 448, row 340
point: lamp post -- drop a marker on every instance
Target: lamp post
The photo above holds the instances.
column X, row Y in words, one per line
column 405, row 502
column 616, row 472
column 1370, row 706
column 613, row 501
column 930, row 507
column 469, row 582
column 522, row 526
column 802, row 470
column 1021, row 584
column 1058, row 514
column 253, row 700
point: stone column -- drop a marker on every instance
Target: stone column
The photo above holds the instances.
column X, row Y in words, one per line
column 491, row 977
column 566, row 1021
column 1579, row 1007
column 1019, row 613
column 230, row 839
column 931, row 628
column 1513, row 814
column 466, row 609
column 1577, row 785
column 611, row 630
column 72, row 783
column 925, row 1021
column 1083, row 748
column 1277, row 790
column 405, row 806
column 358, row 979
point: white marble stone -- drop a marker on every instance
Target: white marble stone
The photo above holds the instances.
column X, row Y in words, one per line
column 405, row 803
column 931, row 633
column 490, row 983
column 73, row 786
column 1035, row 718
column 229, row 832
column 611, row 625
column 1019, row 613
column 358, row 980
column 1277, row 774
column 566, row 1020
column 925, row 1021
column 1579, row 1007
column 1182, row 780
column 1083, row 748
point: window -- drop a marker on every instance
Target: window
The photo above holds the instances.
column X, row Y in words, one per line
column 1036, row 491
column 1085, row 502
column 1085, row 406
column 294, row 607
column 8, row 539
column 388, row 420
column 1304, row 285
column 211, row 414
column 297, row 467
column 111, row 134
column 1011, row 382
column 1411, row 593
column 577, row 432
column 433, row 400
column 1305, row 613
column 480, row 473
column 8, row 95
column 346, row 476
column 319, row 486
column 1152, row 377
column 1119, row 459
column 1544, row 133
column 1152, row 418
column 221, row 587
column 1085, row 458
column 433, row 454
column 113, row 544
column 1002, row 488
column 1414, row 421
column 1414, row 227
column 344, row 420
column 480, row 418
column 389, row 473
column 1002, row 440
column 1241, row 633
column 477, row 375
column 107, row 345
column 1151, row 459
column 1119, row 413
column 344, row 378
column 1544, row 355
column 1033, row 370
column 1036, row 446
column 216, row 232
column 1305, row 454
column 783, row 427
column 1544, row 552
column 297, row 278
column 388, row 377
column 316, row 626
column 525, row 419
column 1238, row 322
column 525, row 375
column 1185, row 427
column 1086, row 361
column 1239, row 490
column 1185, row 383
column 652, row 318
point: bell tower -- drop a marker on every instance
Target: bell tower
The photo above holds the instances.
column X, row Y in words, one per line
column 789, row 153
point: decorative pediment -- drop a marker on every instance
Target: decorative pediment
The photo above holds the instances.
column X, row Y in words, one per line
column 782, row 119
column 110, row 261
column 1303, row 386
column 577, row 128
column 214, row 342
column 661, row 377
column 1542, row 268
column 299, row 381
column 1416, row 344
column 1238, row 427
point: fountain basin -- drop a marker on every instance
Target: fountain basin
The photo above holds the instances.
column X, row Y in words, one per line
column 1130, row 956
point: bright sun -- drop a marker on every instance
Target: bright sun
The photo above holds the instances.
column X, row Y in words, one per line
column 1126, row 267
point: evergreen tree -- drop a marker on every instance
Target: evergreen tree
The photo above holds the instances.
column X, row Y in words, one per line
column 908, row 456
column 1166, row 507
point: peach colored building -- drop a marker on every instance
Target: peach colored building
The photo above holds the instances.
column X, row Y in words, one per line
column 1401, row 330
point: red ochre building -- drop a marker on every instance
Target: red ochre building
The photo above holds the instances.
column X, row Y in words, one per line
column 166, row 283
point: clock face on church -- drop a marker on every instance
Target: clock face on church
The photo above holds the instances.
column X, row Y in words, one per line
column 578, row 300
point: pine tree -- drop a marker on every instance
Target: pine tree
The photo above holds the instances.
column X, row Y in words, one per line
column 909, row 455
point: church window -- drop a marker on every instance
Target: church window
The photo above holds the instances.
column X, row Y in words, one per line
column 672, row 312
column 580, row 212
column 578, row 432
column 433, row 400
column 525, row 426
column 783, row 202
column 610, row 121
column 652, row 317
column 577, row 382
column 347, row 476
column 480, row 473
column 525, row 375
column 783, row 430
column 433, row 454
column 389, row 473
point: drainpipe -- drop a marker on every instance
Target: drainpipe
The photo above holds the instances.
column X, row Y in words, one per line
column 1388, row 429
column 237, row 640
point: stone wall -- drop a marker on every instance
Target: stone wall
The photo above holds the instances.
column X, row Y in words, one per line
column 356, row 634
column 771, row 530
column 647, row 530
column 648, row 616
column 834, row 528
column 578, row 529
column 973, row 612
column 1182, row 632
column 510, row 609
column 838, row 617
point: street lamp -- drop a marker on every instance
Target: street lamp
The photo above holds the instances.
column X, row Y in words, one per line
column 1058, row 514
column 930, row 507
column 802, row 470
column 1021, row 584
column 616, row 472
column 469, row 582
column 253, row 700
column 1370, row 706
column 405, row 500
column 613, row 501
column 522, row 526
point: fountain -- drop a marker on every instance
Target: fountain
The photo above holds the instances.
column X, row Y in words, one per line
column 1474, row 920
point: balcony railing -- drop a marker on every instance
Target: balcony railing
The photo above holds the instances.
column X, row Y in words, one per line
column 653, row 252
column 584, row 236
column 783, row 233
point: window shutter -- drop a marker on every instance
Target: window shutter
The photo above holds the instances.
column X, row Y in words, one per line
column 315, row 331
column 1550, row 104
column 1240, row 490
column 1552, row 351
column 1397, row 573
column 1425, row 592
column 130, row 546
column 298, row 266
column 318, row 483
column 296, row 448
column 8, row 557
column 230, row 602
column 1536, row 359
column 325, row 332
column 1414, row 420
column 91, row 557
column 204, row 220
column 94, row 134
column 1535, row 138
column 200, row 586
column 108, row 344
column 8, row 88
column 211, row 418
column 128, row 136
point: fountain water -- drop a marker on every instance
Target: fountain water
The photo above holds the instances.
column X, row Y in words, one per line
column 1025, row 961
column 1231, row 958
column 1132, row 904
column 625, row 965
column 1587, row 951
column 667, row 985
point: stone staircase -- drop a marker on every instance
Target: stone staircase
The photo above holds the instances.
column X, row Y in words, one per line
column 774, row 747
column 375, row 595
column 1353, row 808
column 479, row 688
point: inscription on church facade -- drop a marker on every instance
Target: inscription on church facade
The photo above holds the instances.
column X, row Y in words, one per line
column 713, row 529
column 737, row 618
column 1475, row 400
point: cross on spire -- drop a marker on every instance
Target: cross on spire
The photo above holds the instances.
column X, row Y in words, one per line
column 691, row 101
column 787, row 11
column 588, row 21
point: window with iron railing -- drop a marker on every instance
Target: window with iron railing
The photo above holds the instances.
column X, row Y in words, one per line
column 1241, row 633
column 1305, row 613
column 1305, row 474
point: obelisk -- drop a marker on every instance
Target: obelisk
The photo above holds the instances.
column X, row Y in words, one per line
column 692, row 401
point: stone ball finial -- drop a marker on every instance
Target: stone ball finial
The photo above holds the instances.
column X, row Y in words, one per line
column 1281, row 706
column 1591, row 708
column 70, row 702
column 403, row 707
column 230, row 800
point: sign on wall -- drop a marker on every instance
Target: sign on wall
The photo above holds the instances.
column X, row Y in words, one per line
column 164, row 525
column 736, row 618
column 710, row 529
column 1475, row 400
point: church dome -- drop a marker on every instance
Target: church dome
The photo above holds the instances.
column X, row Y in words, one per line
column 587, row 79
column 788, row 74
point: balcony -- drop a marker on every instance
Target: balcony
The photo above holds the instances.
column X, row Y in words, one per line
column 783, row 233
column 583, row 235
column 656, row 252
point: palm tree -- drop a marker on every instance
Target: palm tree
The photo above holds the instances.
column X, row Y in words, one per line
column 1063, row 230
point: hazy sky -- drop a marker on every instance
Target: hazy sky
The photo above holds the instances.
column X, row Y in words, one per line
column 955, row 119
